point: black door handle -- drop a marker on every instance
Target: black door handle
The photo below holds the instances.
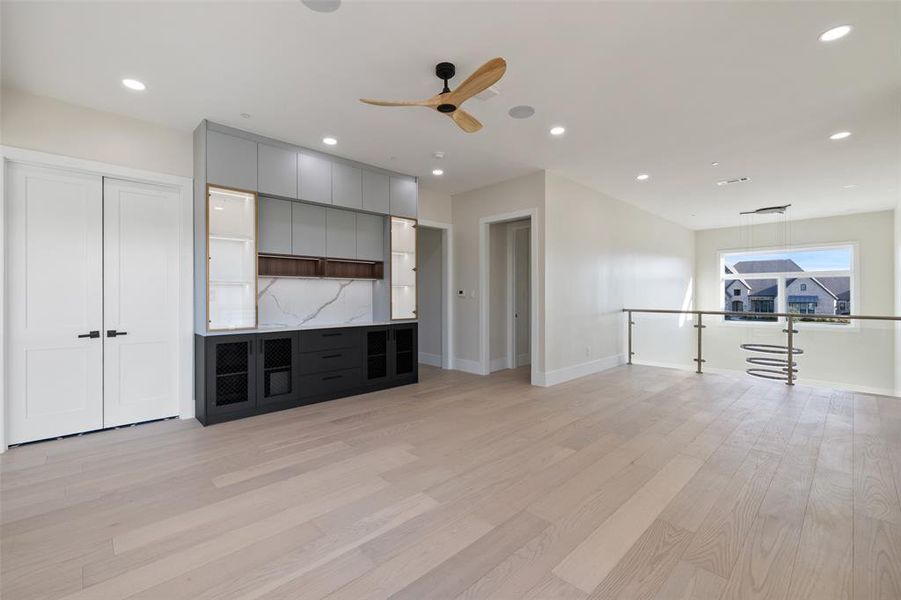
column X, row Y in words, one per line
column 113, row 333
column 330, row 377
column 91, row 334
column 333, row 356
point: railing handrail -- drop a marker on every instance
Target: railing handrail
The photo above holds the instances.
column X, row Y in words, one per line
column 804, row 317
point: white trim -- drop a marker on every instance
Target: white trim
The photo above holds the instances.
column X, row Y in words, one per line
column 185, row 187
column 565, row 374
column 447, row 316
column 427, row 358
column 468, row 366
column 484, row 297
column 512, row 228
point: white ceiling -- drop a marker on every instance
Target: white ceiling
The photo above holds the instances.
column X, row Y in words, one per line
column 662, row 88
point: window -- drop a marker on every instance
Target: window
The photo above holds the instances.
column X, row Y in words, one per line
column 805, row 282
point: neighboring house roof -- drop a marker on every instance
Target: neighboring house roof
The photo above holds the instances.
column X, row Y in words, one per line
column 834, row 286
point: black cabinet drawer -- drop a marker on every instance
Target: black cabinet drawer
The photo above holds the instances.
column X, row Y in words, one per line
column 330, row 360
column 330, row 383
column 329, row 339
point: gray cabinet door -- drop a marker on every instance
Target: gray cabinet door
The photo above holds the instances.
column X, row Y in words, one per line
column 315, row 178
column 231, row 161
column 274, row 225
column 370, row 237
column 375, row 192
column 403, row 197
column 340, row 233
column 307, row 229
column 347, row 186
column 277, row 171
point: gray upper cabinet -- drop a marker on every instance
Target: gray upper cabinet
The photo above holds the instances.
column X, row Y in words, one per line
column 277, row 171
column 340, row 233
column 274, row 225
column 314, row 178
column 231, row 161
column 308, row 229
column 403, row 197
column 370, row 237
column 347, row 186
column 375, row 192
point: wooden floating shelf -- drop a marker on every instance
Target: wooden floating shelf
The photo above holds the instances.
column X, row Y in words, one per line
column 277, row 265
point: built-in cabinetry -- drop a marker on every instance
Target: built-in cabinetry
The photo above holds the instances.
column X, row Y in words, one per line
column 286, row 211
column 239, row 375
column 403, row 268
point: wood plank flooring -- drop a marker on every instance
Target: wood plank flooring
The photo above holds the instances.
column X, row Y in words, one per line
column 637, row 482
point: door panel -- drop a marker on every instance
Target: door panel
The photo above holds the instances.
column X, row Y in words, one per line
column 55, row 295
column 140, row 329
column 522, row 291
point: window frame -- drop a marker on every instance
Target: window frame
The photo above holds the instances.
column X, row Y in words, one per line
column 781, row 300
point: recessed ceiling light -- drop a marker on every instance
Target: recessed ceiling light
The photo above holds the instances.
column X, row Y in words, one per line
column 836, row 33
column 849, row 186
column 439, row 155
column 245, row 115
column 642, row 177
column 323, row 6
column 840, row 135
column 715, row 163
column 558, row 130
column 218, row 208
column 329, row 141
column 134, row 84
column 522, row 111
column 437, row 172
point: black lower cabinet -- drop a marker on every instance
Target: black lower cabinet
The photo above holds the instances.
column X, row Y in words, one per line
column 246, row 374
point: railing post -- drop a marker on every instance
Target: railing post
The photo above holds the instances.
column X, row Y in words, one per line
column 791, row 351
column 631, row 323
column 700, row 327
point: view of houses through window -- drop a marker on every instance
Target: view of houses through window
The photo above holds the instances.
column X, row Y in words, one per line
column 807, row 282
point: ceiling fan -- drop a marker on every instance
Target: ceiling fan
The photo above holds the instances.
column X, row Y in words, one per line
column 448, row 101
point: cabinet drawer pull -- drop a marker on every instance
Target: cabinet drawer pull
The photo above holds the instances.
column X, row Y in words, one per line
column 331, row 334
column 332, row 377
column 333, row 356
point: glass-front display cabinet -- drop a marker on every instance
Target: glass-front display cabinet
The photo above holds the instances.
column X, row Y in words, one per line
column 231, row 259
column 403, row 268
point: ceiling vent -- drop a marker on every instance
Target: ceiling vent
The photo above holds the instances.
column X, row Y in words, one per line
column 731, row 181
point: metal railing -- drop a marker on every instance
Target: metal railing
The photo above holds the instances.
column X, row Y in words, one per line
column 784, row 369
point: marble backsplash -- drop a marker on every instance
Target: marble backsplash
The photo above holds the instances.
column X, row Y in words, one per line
column 288, row 302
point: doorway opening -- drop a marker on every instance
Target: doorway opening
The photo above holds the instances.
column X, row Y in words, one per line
column 510, row 294
column 434, row 306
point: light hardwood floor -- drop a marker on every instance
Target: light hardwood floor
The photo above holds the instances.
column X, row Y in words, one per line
column 634, row 483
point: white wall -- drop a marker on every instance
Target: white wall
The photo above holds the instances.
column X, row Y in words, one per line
column 603, row 255
column 860, row 357
column 431, row 296
column 434, row 206
column 49, row 125
column 522, row 193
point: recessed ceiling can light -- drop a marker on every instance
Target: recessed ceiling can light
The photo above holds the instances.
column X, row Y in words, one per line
column 522, row 111
column 840, row 135
column 329, row 141
column 836, row 33
column 715, row 163
column 245, row 115
column 323, row 6
column 437, row 172
column 134, row 84
column 642, row 177
column 558, row 130
column 850, row 186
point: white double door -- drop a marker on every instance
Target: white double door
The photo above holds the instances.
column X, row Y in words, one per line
column 93, row 293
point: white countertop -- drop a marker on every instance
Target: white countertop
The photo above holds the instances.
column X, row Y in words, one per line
column 279, row 328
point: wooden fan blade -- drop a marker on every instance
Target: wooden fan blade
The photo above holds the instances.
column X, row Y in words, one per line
column 483, row 78
column 427, row 103
column 466, row 121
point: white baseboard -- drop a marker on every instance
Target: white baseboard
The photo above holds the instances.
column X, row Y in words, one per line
column 468, row 366
column 557, row 376
column 427, row 358
column 524, row 359
column 499, row 364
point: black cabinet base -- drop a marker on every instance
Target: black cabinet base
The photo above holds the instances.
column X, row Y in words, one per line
column 231, row 371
